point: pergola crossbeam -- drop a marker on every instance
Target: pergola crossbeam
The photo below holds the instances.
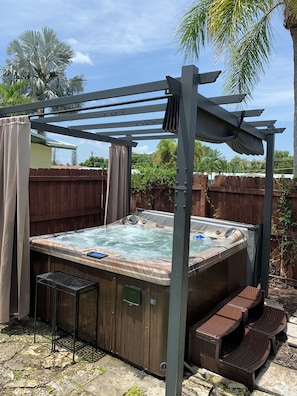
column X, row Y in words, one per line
column 114, row 112
column 79, row 134
column 274, row 130
column 248, row 113
column 208, row 77
column 227, row 99
column 130, row 132
column 155, row 137
column 87, row 97
column 268, row 123
column 123, row 124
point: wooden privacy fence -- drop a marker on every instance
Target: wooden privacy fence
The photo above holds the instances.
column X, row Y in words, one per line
column 242, row 199
column 229, row 197
column 66, row 199
column 160, row 197
column 70, row 199
column 237, row 198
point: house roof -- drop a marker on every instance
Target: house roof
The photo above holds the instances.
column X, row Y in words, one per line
column 46, row 141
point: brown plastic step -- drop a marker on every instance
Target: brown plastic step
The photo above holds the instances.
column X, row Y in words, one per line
column 241, row 364
column 205, row 339
column 217, row 327
column 272, row 322
column 251, row 293
column 231, row 312
column 248, row 299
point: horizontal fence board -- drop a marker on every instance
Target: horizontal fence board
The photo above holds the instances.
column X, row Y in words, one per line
column 45, row 217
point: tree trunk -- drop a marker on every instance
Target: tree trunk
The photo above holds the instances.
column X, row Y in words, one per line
column 293, row 32
column 290, row 22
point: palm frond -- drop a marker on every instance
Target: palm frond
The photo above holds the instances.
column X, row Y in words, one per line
column 13, row 94
column 292, row 5
column 231, row 20
column 191, row 32
column 249, row 58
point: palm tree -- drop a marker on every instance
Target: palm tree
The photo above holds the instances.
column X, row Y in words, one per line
column 238, row 165
column 241, row 31
column 42, row 60
column 199, row 151
column 211, row 165
column 10, row 94
column 165, row 155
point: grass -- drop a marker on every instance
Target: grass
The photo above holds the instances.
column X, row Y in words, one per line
column 134, row 391
column 102, row 369
column 17, row 375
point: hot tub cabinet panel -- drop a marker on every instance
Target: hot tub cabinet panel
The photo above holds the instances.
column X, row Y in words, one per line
column 141, row 329
column 210, row 286
column 138, row 333
column 133, row 300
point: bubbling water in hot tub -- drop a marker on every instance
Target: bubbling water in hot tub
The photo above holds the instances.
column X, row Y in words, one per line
column 131, row 242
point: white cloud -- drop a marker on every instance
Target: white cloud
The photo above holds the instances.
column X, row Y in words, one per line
column 72, row 41
column 142, row 150
column 125, row 27
column 81, row 58
column 102, row 26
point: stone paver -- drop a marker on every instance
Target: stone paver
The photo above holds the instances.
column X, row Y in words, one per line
column 28, row 368
column 206, row 383
column 292, row 334
column 277, row 379
column 293, row 319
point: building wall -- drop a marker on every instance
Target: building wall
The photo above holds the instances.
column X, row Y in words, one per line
column 41, row 156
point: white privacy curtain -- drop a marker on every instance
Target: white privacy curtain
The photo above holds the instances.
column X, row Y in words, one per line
column 14, row 217
column 117, row 184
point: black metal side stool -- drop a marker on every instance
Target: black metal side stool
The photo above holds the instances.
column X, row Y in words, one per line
column 71, row 285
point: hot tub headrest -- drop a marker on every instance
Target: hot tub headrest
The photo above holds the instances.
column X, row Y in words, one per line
column 229, row 232
column 133, row 219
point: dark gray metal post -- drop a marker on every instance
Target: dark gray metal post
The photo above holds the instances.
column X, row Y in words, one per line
column 268, row 197
column 182, row 215
column 129, row 167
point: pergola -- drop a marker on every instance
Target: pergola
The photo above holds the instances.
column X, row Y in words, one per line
column 167, row 109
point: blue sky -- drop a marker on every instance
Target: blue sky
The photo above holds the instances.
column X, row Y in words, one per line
column 124, row 42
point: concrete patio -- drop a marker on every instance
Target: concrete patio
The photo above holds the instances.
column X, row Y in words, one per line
column 28, row 368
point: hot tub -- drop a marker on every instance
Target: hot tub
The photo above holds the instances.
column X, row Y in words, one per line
column 134, row 274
